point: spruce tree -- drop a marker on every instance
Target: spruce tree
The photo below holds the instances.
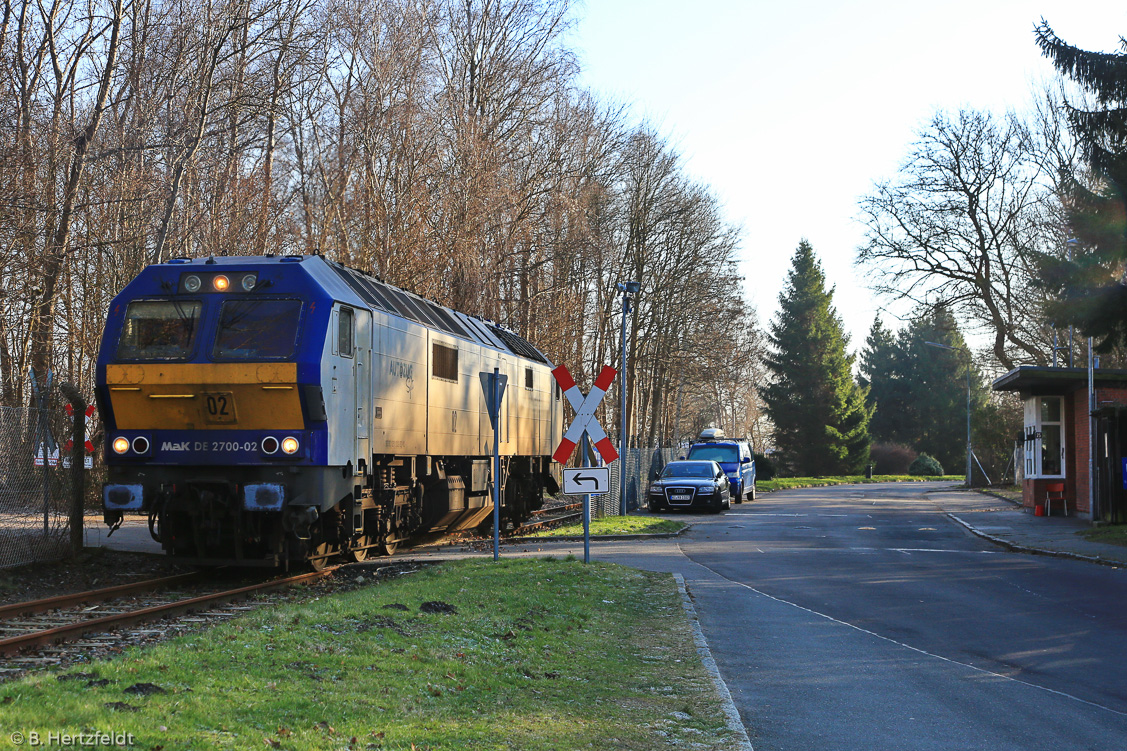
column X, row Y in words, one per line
column 818, row 410
column 887, row 392
column 938, row 379
column 918, row 391
column 1088, row 286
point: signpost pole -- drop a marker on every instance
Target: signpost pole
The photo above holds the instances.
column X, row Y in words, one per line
column 622, row 411
column 496, row 408
column 44, row 429
column 586, row 508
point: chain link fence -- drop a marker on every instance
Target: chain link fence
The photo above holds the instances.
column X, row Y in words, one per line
column 642, row 466
column 36, row 491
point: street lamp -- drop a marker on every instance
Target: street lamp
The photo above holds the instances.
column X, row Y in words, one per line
column 627, row 289
column 970, row 450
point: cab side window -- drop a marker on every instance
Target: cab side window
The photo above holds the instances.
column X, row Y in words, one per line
column 344, row 333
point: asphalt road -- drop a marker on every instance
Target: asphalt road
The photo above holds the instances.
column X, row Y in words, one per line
column 861, row 617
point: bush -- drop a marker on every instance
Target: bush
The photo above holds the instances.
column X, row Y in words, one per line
column 891, row 458
column 925, row 465
column 764, row 467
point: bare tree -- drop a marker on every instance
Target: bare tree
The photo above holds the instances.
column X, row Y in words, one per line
column 956, row 227
column 60, row 53
column 445, row 145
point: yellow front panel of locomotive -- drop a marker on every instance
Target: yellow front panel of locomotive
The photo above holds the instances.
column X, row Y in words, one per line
column 205, row 396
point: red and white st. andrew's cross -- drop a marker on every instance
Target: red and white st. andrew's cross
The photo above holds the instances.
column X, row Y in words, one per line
column 585, row 421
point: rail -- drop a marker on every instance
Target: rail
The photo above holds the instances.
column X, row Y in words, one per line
column 68, row 631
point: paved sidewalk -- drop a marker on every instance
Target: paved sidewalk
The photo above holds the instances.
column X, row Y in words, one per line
column 1005, row 522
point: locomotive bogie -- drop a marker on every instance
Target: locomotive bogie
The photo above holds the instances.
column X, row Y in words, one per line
column 311, row 411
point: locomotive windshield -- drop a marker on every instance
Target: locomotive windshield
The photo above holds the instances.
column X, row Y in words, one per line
column 257, row 329
column 159, row 330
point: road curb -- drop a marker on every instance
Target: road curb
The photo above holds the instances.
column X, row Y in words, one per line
column 1018, row 548
column 992, row 494
column 734, row 723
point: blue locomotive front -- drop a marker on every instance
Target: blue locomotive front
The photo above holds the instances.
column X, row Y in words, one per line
column 265, row 410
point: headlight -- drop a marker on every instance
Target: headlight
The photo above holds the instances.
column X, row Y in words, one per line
column 120, row 445
column 221, row 283
column 141, row 445
column 249, row 281
column 290, row 445
column 269, row 445
column 192, row 283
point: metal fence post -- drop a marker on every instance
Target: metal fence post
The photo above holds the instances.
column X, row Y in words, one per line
column 77, row 466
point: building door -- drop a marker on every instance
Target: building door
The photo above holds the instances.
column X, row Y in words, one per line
column 1111, row 477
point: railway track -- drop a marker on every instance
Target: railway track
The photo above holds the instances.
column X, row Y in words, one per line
column 40, row 626
column 550, row 517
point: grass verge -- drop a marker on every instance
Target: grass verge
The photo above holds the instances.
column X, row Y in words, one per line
column 616, row 525
column 785, row 483
column 517, row 654
column 1114, row 534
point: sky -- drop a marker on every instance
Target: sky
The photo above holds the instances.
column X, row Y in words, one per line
column 791, row 110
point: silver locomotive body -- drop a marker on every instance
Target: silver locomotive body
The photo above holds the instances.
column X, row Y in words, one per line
column 371, row 428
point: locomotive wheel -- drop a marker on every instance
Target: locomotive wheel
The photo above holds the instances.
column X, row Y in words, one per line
column 362, row 552
column 388, row 530
column 322, row 556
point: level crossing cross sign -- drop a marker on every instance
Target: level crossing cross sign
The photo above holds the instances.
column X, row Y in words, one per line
column 91, row 420
column 584, row 421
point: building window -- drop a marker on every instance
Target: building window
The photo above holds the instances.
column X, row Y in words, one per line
column 528, row 378
column 1044, row 437
column 444, row 362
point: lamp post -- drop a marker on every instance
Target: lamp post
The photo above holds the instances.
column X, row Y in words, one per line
column 1071, row 245
column 970, row 450
column 627, row 289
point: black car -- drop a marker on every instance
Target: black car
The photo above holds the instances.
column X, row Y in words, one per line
column 690, row 485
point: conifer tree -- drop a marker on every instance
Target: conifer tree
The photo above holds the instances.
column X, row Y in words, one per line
column 938, row 386
column 1089, row 285
column 879, row 373
column 918, row 392
column 818, row 410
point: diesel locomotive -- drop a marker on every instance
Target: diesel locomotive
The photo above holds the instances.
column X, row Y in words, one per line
column 267, row 410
